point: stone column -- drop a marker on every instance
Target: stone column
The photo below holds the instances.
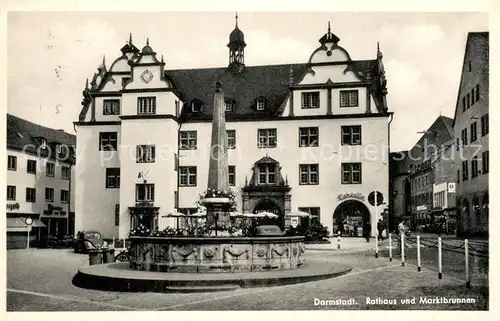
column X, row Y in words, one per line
column 218, row 173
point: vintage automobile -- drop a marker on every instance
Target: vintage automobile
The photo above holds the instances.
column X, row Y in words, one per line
column 88, row 240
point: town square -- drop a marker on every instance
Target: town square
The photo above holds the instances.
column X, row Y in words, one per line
column 212, row 161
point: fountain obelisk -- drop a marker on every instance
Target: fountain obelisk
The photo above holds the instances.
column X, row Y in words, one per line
column 218, row 206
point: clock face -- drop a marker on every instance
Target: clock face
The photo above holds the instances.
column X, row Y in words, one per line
column 29, row 221
column 146, row 76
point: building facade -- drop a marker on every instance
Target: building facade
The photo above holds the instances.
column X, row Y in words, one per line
column 40, row 162
column 311, row 137
column 471, row 129
column 431, row 163
column 400, row 188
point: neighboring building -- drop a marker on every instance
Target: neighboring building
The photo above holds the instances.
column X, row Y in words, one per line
column 298, row 137
column 471, row 129
column 400, row 202
column 40, row 185
column 444, row 186
column 423, row 157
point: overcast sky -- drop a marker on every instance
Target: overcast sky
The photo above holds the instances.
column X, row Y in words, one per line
column 50, row 54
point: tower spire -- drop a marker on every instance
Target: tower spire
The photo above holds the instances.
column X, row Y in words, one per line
column 236, row 16
column 87, row 84
column 147, row 41
column 329, row 37
column 130, row 39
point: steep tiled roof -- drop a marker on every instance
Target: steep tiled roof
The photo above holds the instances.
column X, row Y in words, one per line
column 448, row 122
column 270, row 82
column 23, row 134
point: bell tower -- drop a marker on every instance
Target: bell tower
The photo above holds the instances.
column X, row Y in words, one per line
column 236, row 47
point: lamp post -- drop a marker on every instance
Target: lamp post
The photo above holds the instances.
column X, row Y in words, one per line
column 28, row 222
column 375, row 201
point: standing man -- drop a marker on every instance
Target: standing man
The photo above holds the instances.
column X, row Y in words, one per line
column 367, row 230
column 380, row 229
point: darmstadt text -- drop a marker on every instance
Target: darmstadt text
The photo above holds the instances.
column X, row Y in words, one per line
column 350, row 301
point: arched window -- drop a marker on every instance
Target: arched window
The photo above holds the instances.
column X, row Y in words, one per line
column 477, row 210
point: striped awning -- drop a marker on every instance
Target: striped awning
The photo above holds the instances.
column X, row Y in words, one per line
column 18, row 224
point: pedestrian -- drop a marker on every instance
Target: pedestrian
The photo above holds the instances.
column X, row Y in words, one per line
column 367, row 230
column 403, row 229
column 380, row 229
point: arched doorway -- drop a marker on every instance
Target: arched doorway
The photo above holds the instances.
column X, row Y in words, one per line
column 351, row 217
column 268, row 205
column 465, row 215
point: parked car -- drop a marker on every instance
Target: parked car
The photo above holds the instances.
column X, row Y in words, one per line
column 88, row 240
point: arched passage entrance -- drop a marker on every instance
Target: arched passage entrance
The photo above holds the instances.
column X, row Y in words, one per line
column 351, row 217
column 268, row 205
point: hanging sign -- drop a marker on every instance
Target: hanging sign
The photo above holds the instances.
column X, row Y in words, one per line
column 294, row 222
column 345, row 196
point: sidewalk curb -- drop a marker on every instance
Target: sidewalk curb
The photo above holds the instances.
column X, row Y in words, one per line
column 341, row 251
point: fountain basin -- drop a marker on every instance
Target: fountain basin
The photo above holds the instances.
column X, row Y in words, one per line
column 216, row 254
column 215, row 200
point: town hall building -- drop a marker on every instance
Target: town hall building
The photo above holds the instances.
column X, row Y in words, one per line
column 311, row 137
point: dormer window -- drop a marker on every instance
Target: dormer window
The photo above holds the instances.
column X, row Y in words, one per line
column 261, row 104
column 230, row 104
column 63, row 151
column 197, row 106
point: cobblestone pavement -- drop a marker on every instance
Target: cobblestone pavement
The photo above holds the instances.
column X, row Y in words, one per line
column 40, row 280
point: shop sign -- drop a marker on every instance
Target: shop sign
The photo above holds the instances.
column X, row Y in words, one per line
column 345, row 196
column 422, row 208
column 451, row 188
column 294, row 222
column 13, row 206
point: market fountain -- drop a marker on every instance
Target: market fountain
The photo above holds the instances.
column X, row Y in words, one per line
column 218, row 251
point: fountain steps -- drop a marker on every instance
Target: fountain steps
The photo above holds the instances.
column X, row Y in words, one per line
column 119, row 277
